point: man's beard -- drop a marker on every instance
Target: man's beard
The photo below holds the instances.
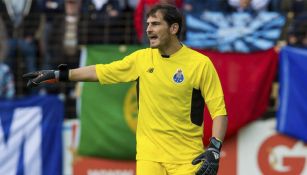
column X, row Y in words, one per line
column 153, row 47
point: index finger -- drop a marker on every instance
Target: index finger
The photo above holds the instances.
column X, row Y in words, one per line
column 30, row 75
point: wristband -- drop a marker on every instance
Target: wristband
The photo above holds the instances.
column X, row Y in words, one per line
column 214, row 142
column 63, row 72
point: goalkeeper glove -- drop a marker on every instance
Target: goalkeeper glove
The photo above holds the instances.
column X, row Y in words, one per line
column 47, row 76
column 210, row 158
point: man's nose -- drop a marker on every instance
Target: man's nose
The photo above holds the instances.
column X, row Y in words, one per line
column 148, row 29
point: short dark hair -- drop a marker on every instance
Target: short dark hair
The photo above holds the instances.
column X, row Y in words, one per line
column 170, row 14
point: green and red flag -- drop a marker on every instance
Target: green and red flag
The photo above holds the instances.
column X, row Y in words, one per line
column 108, row 113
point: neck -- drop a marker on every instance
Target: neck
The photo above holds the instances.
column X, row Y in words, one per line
column 172, row 48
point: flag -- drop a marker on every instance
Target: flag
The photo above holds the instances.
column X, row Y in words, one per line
column 247, row 80
column 234, row 32
column 108, row 113
column 31, row 136
column 292, row 111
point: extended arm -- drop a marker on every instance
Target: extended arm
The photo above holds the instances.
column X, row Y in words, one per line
column 87, row 73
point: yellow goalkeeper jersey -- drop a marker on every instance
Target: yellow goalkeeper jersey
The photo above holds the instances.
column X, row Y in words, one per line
column 172, row 92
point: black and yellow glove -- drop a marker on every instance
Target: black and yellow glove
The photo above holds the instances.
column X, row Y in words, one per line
column 210, row 158
column 47, row 76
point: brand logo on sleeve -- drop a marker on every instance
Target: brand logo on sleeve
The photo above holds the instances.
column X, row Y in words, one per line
column 150, row 70
column 178, row 76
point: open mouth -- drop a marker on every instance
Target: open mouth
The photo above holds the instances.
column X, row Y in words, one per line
column 153, row 37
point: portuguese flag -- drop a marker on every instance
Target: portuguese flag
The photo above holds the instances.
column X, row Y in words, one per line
column 108, row 113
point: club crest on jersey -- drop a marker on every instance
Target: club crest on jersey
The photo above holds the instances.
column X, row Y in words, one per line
column 178, row 76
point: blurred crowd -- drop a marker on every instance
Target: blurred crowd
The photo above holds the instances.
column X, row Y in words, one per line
column 39, row 34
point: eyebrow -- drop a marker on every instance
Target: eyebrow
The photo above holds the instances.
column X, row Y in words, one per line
column 154, row 22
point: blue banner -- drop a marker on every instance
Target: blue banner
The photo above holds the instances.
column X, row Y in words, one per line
column 292, row 110
column 31, row 136
column 234, row 32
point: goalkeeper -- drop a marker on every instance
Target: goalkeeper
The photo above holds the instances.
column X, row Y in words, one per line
column 174, row 84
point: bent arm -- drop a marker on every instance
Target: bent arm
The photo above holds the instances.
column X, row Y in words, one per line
column 219, row 127
column 87, row 73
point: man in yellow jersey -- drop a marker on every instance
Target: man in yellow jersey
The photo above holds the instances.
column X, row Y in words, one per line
column 174, row 83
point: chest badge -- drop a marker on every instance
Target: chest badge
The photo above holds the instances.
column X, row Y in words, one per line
column 178, row 76
column 150, row 70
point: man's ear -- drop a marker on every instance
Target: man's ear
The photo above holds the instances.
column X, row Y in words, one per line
column 174, row 28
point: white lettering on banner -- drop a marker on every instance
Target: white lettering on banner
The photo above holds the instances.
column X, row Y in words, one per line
column 110, row 172
column 25, row 133
column 279, row 153
column 268, row 152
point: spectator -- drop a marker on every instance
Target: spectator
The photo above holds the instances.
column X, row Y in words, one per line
column 249, row 5
column 299, row 6
column 275, row 5
column 197, row 6
column 295, row 6
column 131, row 4
column 7, row 85
column 51, row 41
column 295, row 28
column 72, row 13
column 7, row 88
column 297, row 33
column 139, row 16
column 124, row 28
column 21, row 20
column 3, row 40
column 98, row 20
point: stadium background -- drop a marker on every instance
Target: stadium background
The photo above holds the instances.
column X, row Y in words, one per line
column 264, row 88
